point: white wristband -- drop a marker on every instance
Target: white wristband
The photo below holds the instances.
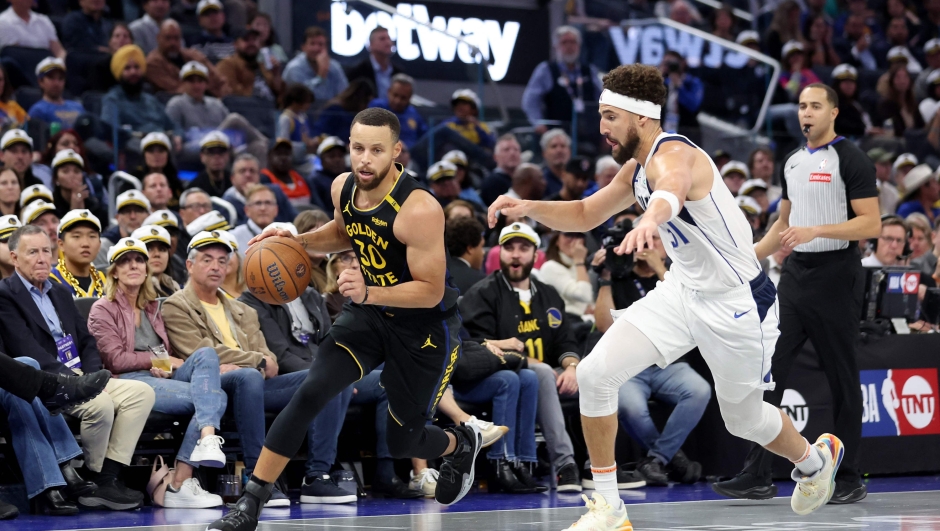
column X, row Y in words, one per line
column 670, row 198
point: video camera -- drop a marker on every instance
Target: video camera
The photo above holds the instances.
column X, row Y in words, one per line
column 619, row 265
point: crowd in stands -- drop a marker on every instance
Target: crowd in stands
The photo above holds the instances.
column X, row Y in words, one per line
column 155, row 239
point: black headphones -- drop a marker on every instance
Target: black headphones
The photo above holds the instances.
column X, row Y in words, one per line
column 908, row 234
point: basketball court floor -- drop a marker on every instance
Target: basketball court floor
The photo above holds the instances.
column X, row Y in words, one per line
column 893, row 504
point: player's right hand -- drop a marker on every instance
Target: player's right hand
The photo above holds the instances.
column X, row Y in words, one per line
column 270, row 233
column 638, row 239
column 508, row 206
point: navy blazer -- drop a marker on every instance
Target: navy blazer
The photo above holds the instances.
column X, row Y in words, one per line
column 275, row 319
column 27, row 333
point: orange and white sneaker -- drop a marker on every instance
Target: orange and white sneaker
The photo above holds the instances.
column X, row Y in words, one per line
column 812, row 492
column 601, row 516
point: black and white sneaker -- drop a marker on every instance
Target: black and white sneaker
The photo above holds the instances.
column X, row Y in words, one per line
column 626, row 478
column 321, row 489
column 244, row 517
column 568, row 479
column 75, row 390
column 457, row 469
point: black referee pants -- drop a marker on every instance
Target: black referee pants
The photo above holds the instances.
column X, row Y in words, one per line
column 820, row 298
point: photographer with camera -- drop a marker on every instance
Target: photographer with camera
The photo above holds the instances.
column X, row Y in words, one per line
column 625, row 279
column 684, row 95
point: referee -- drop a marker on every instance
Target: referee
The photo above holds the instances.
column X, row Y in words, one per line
column 830, row 201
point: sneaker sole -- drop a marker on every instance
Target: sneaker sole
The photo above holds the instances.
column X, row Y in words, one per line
column 192, row 505
column 631, row 485
column 467, row 482
column 59, row 410
column 856, row 495
column 328, row 500
column 210, row 463
column 753, row 493
column 568, row 488
column 108, row 504
column 500, row 431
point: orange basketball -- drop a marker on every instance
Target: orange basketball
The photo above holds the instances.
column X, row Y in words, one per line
column 277, row 270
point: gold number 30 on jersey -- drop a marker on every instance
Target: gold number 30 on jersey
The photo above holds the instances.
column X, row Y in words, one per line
column 374, row 256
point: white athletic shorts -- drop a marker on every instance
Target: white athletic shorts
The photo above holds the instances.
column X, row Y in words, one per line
column 735, row 330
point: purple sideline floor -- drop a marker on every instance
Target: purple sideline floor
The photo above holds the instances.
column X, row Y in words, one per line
column 893, row 504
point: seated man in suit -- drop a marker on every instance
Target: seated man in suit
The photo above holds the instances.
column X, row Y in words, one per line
column 199, row 316
column 464, row 239
column 49, row 329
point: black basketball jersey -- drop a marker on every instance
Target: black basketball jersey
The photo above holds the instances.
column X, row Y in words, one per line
column 382, row 257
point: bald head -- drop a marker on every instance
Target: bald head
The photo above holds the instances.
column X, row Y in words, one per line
column 170, row 38
column 528, row 181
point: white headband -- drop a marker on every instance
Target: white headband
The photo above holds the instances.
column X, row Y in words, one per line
column 641, row 107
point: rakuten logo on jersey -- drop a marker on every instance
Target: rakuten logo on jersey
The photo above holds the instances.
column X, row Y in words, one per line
column 350, row 35
column 900, row 402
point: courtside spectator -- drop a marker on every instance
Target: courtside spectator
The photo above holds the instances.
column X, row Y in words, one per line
column 159, row 253
column 280, row 173
column 853, row 120
column 339, row 112
column 921, row 192
column 757, row 190
column 855, row 45
column 293, row 125
column 467, row 181
column 902, row 165
column 565, row 269
column 266, row 36
column 398, row 100
column 605, row 170
column 459, row 208
column 556, row 152
column 466, row 122
column 507, row 156
column 557, row 88
column 261, row 210
column 246, row 172
column 197, row 317
column 129, row 331
column 784, row 27
column 212, row 40
column 214, row 153
column 72, row 190
column 102, row 79
column 112, row 422
column 9, row 194
column 734, row 174
column 442, row 176
column 464, row 239
column 157, row 191
column 897, row 110
column 932, row 56
column 510, row 303
column 42, row 215
column 314, row 68
column 894, row 47
column 87, row 29
column 79, row 241
column 33, row 193
column 819, row 50
column 132, row 208
column 684, row 94
column 377, row 68
column 166, row 61
column 197, row 113
column 53, row 107
column 245, row 74
column 176, row 268
column 126, row 104
column 194, row 203
column 156, row 149
column 929, row 105
column 145, row 28
column 17, row 149
column 528, row 182
column 574, row 180
column 332, row 153
column 887, row 193
column 11, row 114
column 21, row 26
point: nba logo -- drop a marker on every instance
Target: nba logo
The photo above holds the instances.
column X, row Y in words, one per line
column 900, row 402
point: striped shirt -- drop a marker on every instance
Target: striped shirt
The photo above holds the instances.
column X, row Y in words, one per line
column 820, row 184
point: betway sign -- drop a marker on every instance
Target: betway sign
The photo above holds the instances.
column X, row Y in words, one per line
column 647, row 44
column 350, row 35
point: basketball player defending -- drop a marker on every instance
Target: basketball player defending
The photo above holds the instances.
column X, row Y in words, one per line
column 403, row 313
column 715, row 296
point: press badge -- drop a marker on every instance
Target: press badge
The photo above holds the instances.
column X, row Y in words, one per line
column 68, row 353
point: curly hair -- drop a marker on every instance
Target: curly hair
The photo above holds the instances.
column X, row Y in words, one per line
column 642, row 82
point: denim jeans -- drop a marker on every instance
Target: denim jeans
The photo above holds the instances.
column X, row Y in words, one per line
column 41, row 441
column 251, row 395
column 368, row 391
column 515, row 403
column 678, row 385
column 194, row 389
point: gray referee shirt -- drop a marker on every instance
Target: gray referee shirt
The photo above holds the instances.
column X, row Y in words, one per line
column 820, row 184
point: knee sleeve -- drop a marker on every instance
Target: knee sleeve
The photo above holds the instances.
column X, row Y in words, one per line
column 621, row 354
column 752, row 419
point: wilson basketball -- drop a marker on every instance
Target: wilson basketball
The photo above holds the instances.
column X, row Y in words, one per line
column 277, row 270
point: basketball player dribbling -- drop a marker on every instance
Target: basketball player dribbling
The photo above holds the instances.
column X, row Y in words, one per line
column 403, row 312
column 715, row 297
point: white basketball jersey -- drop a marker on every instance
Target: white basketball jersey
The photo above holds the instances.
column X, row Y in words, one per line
column 710, row 242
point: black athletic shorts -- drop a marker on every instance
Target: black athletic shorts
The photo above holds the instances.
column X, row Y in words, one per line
column 419, row 353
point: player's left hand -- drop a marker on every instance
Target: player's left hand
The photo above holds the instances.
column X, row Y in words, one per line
column 567, row 381
column 352, row 285
column 641, row 237
column 793, row 236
